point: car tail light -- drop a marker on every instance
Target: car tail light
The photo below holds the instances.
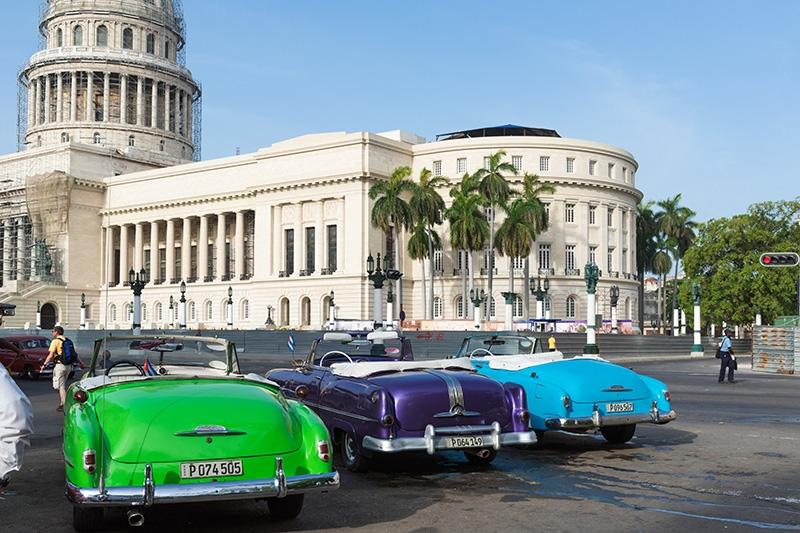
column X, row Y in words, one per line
column 667, row 396
column 524, row 415
column 89, row 461
column 80, row 396
column 323, row 450
column 387, row 420
column 567, row 401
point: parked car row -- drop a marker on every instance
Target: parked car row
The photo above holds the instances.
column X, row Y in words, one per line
column 23, row 355
column 169, row 419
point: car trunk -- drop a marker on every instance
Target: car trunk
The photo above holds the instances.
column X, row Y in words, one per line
column 591, row 381
column 420, row 396
column 163, row 421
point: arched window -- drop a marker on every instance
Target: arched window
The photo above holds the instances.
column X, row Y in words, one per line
column 59, row 38
column 570, row 313
column 128, row 312
column 39, row 141
column 460, row 307
column 166, row 49
column 131, row 141
column 628, row 311
column 548, row 303
column 77, row 36
column 65, row 137
column 151, row 43
column 284, row 306
column 159, row 312
column 127, row 39
column 96, row 138
column 305, row 311
column 209, row 311
column 112, row 313
column 192, row 312
column 245, row 312
column 517, row 307
column 102, row 35
column 437, row 307
column 161, row 145
column 144, row 313
column 492, row 309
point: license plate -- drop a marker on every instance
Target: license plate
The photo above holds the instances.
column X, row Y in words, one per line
column 211, row 469
column 619, row 407
column 465, row 442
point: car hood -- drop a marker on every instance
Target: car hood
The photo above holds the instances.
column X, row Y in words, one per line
column 165, row 420
column 434, row 397
column 590, row 380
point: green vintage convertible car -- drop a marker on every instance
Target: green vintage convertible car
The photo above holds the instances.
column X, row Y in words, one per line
column 168, row 419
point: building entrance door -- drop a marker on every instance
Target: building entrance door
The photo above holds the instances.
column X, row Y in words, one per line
column 49, row 316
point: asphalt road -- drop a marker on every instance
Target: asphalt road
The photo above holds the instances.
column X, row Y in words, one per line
column 730, row 462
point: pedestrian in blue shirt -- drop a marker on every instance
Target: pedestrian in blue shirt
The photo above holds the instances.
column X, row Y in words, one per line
column 726, row 358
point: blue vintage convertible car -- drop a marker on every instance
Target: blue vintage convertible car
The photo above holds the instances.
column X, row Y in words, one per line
column 578, row 394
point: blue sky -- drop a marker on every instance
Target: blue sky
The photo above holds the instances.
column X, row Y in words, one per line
column 705, row 94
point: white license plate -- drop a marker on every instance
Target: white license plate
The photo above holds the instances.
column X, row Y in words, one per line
column 465, row 442
column 619, row 407
column 211, row 469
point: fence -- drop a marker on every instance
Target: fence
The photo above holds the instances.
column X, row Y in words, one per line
column 776, row 349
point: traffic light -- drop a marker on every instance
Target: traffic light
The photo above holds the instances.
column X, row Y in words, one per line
column 780, row 259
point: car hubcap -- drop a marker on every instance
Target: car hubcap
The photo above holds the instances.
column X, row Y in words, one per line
column 350, row 448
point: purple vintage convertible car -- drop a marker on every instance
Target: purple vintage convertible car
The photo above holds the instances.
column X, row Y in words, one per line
column 375, row 399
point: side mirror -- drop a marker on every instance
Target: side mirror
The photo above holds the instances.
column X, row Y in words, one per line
column 298, row 363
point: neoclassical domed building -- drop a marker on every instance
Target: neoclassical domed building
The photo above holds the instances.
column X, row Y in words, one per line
column 111, row 139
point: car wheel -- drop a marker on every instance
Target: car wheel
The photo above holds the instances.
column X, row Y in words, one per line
column 618, row 434
column 481, row 457
column 353, row 459
column 285, row 508
column 87, row 519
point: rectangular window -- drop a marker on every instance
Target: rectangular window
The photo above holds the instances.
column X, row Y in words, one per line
column 593, row 255
column 193, row 262
column 569, row 256
column 288, row 251
column 229, row 256
column 462, row 260
column 310, row 249
column 461, row 165
column 610, row 217
column 516, row 162
column 611, row 170
column 624, row 220
column 570, row 164
column 178, row 260
column 486, row 161
column 569, row 213
column 162, row 264
column 544, row 163
column 610, row 259
column 487, row 257
column 438, row 262
column 546, row 212
column 544, row 256
column 437, row 168
column 212, row 261
column 592, row 166
column 518, row 263
column 147, row 264
column 488, row 212
column 624, row 173
column 332, row 248
column 592, row 215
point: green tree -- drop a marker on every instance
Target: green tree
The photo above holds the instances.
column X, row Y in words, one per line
column 646, row 232
column 419, row 247
column 515, row 235
column 427, row 207
column 676, row 221
column 724, row 259
column 496, row 190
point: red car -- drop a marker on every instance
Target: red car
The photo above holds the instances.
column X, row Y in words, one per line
column 24, row 354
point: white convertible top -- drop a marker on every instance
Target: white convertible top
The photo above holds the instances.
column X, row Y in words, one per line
column 520, row 362
column 96, row 382
column 367, row 368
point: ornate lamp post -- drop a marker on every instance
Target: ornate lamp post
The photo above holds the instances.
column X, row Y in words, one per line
column 697, row 346
column 591, row 274
column 376, row 276
column 38, row 315
column 230, row 308
column 182, row 307
column 137, row 281
column 509, row 316
column 171, row 312
column 614, row 293
column 539, row 290
column 477, row 297
column 83, row 311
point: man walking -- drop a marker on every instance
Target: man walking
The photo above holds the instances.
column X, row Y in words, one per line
column 61, row 368
column 726, row 359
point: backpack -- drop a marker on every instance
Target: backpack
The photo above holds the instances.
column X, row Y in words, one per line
column 69, row 355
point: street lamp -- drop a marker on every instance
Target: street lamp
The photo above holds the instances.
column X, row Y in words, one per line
column 614, row 293
column 377, row 277
column 38, row 315
column 539, row 289
column 230, row 308
column 83, row 311
column 171, row 312
column 591, row 275
column 477, row 297
column 137, row 281
column 182, row 307
column 509, row 316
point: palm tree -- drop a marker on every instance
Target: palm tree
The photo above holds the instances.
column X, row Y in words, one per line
column 676, row 222
column 391, row 211
column 495, row 188
column 469, row 229
column 646, row 231
column 419, row 248
column 427, row 207
column 515, row 235
column 532, row 190
column 662, row 263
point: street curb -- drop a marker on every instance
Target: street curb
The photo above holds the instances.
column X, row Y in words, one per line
column 662, row 358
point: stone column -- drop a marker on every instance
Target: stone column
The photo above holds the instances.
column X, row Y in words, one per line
column 89, row 96
column 21, row 251
column 7, row 250
column 73, row 98
column 154, row 262
column 154, row 110
column 239, row 250
column 167, row 106
column 187, row 128
column 123, row 99
column 170, row 260
column 59, row 98
column 46, row 79
column 186, row 249
column 140, row 101
column 202, row 249
column 110, row 255
column 123, row 253
column 106, row 97
column 138, row 246
column 220, row 243
column 32, row 83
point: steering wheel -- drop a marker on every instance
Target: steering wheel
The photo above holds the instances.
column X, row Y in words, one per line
column 472, row 354
column 126, row 362
column 334, row 352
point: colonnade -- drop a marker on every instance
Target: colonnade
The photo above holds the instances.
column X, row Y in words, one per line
column 17, row 248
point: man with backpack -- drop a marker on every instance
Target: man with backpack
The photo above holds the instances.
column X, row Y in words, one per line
column 62, row 351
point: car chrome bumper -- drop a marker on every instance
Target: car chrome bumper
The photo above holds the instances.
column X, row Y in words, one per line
column 435, row 438
column 150, row 494
column 597, row 420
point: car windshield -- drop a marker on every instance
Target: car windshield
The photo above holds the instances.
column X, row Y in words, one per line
column 36, row 342
column 498, row 345
column 163, row 355
column 357, row 350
